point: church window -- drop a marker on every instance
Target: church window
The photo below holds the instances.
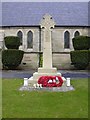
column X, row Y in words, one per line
column 20, row 35
column 30, row 39
column 76, row 34
column 66, row 40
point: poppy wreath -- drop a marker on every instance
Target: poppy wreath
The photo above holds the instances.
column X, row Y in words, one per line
column 50, row 81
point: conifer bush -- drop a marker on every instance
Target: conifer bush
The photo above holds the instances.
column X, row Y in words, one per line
column 12, row 57
column 81, row 43
column 40, row 60
column 80, row 57
column 12, row 42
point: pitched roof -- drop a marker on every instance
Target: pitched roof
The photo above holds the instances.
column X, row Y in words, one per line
column 31, row 13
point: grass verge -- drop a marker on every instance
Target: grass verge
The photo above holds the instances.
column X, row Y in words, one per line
column 25, row 104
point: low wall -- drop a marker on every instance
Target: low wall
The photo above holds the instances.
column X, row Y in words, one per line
column 60, row 61
column 30, row 61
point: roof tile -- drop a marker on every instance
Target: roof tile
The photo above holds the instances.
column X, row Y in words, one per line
column 31, row 13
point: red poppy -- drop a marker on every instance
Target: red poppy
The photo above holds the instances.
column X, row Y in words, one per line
column 50, row 81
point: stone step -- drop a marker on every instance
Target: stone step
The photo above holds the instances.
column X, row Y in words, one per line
column 47, row 70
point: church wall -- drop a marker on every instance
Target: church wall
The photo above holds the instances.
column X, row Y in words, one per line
column 61, row 56
column 12, row 31
column 31, row 55
column 58, row 37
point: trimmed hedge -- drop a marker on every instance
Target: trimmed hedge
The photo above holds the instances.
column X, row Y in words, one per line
column 12, row 42
column 81, row 43
column 12, row 58
column 80, row 58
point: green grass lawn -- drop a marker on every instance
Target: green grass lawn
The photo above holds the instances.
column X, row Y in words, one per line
column 38, row 104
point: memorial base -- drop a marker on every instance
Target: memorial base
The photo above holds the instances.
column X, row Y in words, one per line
column 43, row 72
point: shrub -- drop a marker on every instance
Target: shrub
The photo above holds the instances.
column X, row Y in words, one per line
column 80, row 58
column 12, row 42
column 89, row 55
column 12, row 58
column 81, row 43
column 40, row 60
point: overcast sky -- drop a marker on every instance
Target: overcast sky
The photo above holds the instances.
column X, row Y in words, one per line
column 45, row 0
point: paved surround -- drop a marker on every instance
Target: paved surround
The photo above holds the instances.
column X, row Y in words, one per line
column 52, row 89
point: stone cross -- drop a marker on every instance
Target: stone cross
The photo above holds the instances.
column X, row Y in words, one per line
column 46, row 24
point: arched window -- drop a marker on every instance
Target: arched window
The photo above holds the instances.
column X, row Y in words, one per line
column 66, row 40
column 20, row 35
column 76, row 34
column 30, row 39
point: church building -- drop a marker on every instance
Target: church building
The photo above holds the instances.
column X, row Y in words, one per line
column 23, row 19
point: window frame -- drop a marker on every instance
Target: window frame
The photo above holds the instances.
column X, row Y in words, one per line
column 30, row 31
column 66, row 45
column 76, row 33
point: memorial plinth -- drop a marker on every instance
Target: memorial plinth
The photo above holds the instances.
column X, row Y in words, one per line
column 47, row 24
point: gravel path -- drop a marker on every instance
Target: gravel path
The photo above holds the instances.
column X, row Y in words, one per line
column 22, row 74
